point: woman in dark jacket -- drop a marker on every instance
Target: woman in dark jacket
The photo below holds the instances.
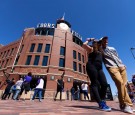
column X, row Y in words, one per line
column 96, row 74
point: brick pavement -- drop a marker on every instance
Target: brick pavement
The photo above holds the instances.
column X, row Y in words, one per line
column 50, row 107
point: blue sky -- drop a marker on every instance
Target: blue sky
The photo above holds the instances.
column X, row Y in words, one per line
column 90, row 18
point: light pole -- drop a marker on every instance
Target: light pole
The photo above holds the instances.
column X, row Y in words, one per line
column 131, row 49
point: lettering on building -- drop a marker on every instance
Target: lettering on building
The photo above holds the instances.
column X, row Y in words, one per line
column 45, row 25
column 76, row 34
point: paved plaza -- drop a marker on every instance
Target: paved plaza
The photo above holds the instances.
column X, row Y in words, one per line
column 50, row 107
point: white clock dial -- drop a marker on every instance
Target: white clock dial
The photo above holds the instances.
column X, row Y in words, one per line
column 64, row 26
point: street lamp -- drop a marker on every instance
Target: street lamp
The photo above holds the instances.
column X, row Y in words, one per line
column 133, row 48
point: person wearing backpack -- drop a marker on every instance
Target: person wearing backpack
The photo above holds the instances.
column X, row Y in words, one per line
column 18, row 88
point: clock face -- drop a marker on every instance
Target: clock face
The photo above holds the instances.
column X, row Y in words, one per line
column 64, row 26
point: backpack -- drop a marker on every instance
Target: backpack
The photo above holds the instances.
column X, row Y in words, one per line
column 13, row 87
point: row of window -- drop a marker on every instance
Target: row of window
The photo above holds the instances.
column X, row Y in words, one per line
column 4, row 64
column 77, row 41
column 47, row 50
column 44, row 31
column 39, row 49
column 45, row 63
column 62, row 51
column 80, row 58
column 7, row 53
column 36, row 61
column 79, row 67
column 50, row 31
column 61, row 63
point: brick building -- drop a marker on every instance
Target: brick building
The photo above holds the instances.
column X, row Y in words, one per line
column 47, row 50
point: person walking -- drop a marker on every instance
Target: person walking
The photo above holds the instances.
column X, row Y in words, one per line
column 117, row 71
column 84, row 87
column 39, row 89
column 60, row 87
column 18, row 85
column 95, row 72
column 10, row 83
column 26, row 84
column 12, row 91
column 72, row 90
column 77, row 93
column 67, row 92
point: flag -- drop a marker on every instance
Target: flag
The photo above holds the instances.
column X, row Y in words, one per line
column 62, row 18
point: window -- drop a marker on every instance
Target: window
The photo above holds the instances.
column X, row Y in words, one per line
column 21, row 48
column 73, row 39
column 28, row 60
column 7, row 53
column 83, row 58
column 45, row 61
column 80, row 68
column 4, row 54
column 79, row 56
column 1, row 54
column 39, row 47
column 62, row 62
column 62, row 50
column 74, row 66
column 16, row 61
column 6, row 63
column 14, row 51
column 32, row 47
column 44, row 31
column 2, row 64
column 51, row 31
column 36, row 61
column 77, row 40
column 47, row 48
column 84, row 70
column 10, row 61
column 74, row 54
column 11, row 52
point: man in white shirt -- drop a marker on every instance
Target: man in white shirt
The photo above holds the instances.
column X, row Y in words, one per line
column 39, row 88
column 84, row 87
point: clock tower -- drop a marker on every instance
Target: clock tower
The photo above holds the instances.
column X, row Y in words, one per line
column 63, row 24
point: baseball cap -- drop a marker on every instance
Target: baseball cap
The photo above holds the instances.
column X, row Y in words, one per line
column 105, row 37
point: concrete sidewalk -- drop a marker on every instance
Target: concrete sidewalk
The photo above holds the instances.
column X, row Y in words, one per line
column 50, row 107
